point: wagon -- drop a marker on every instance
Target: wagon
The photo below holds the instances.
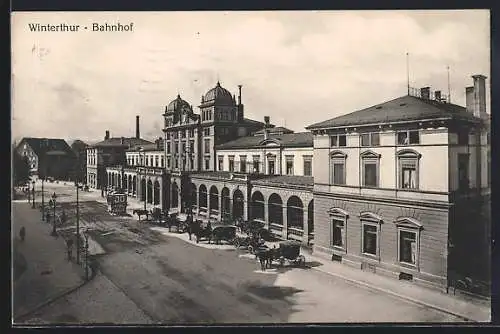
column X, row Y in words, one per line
column 224, row 232
column 251, row 243
column 289, row 251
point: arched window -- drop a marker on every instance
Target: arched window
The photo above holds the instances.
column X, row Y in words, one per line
column 337, row 168
column 338, row 228
column 370, row 234
column 408, row 169
column 409, row 230
column 370, row 166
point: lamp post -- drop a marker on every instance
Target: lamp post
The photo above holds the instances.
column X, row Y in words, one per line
column 43, row 198
column 77, row 223
column 33, row 194
column 86, row 256
column 53, row 202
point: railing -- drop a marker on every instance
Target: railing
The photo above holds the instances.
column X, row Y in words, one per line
column 416, row 92
column 295, row 233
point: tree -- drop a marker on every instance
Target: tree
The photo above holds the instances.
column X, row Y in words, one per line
column 21, row 169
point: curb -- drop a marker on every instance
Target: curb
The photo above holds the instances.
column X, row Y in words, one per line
column 53, row 299
column 413, row 300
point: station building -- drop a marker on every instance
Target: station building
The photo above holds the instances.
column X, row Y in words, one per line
column 402, row 188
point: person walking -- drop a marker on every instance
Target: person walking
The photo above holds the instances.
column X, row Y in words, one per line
column 69, row 246
column 22, row 233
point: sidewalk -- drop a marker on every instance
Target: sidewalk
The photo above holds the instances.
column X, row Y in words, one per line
column 471, row 310
column 47, row 272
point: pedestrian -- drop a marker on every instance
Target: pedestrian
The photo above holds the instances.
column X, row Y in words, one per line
column 69, row 246
column 22, row 233
column 47, row 217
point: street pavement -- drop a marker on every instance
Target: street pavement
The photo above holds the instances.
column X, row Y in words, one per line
column 146, row 276
column 45, row 271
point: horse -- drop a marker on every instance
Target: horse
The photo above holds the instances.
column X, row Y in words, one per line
column 201, row 231
column 141, row 212
column 266, row 257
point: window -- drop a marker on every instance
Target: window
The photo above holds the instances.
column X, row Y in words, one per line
column 221, row 163
column 231, row 163
column 206, row 132
column 370, row 139
column 307, row 165
column 183, row 133
column 207, row 163
column 243, row 163
column 370, row 239
column 289, row 165
column 176, row 135
column 463, row 137
column 168, row 135
column 270, row 164
column 191, row 162
column 168, row 163
column 408, row 240
column 207, row 145
column 407, row 247
column 168, row 147
column 370, row 168
column 410, row 137
column 191, row 146
column 256, row 164
column 337, row 168
column 162, row 162
column 338, row 141
column 339, row 219
column 408, row 162
column 156, row 161
column 176, row 147
column 463, row 171
column 183, row 147
column 370, row 225
column 176, row 161
column 191, row 132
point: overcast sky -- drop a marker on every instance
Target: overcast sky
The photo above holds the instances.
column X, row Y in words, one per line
column 297, row 67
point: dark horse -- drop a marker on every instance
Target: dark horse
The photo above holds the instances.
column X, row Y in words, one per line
column 141, row 212
column 200, row 231
column 266, row 257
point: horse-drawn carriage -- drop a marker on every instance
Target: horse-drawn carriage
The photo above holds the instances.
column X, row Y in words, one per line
column 117, row 203
column 256, row 235
column 288, row 251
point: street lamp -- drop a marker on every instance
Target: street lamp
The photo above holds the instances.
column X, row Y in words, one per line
column 86, row 256
column 33, row 194
column 53, row 202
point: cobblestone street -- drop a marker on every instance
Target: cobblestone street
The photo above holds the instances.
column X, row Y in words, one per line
column 149, row 276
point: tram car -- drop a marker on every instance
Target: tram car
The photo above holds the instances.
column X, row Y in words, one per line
column 117, row 203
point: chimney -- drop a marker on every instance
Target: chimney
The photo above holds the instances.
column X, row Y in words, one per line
column 122, row 140
column 437, row 95
column 137, row 132
column 266, row 121
column 479, row 95
column 425, row 93
column 239, row 94
column 107, row 135
column 469, row 99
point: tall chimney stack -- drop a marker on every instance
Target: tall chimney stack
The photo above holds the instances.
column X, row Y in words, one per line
column 107, row 135
column 425, row 93
column 137, row 132
column 239, row 94
column 479, row 95
column 122, row 140
column 469, row 99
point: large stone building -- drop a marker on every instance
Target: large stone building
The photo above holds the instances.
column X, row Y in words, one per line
column 48, row 156
column 402, row 188
column 107, row 153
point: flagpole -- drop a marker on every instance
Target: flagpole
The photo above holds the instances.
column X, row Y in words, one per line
column 408, row 72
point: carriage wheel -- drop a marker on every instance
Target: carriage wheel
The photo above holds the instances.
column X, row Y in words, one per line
column 282, row 261
column 237, row 243
column 250, row 249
